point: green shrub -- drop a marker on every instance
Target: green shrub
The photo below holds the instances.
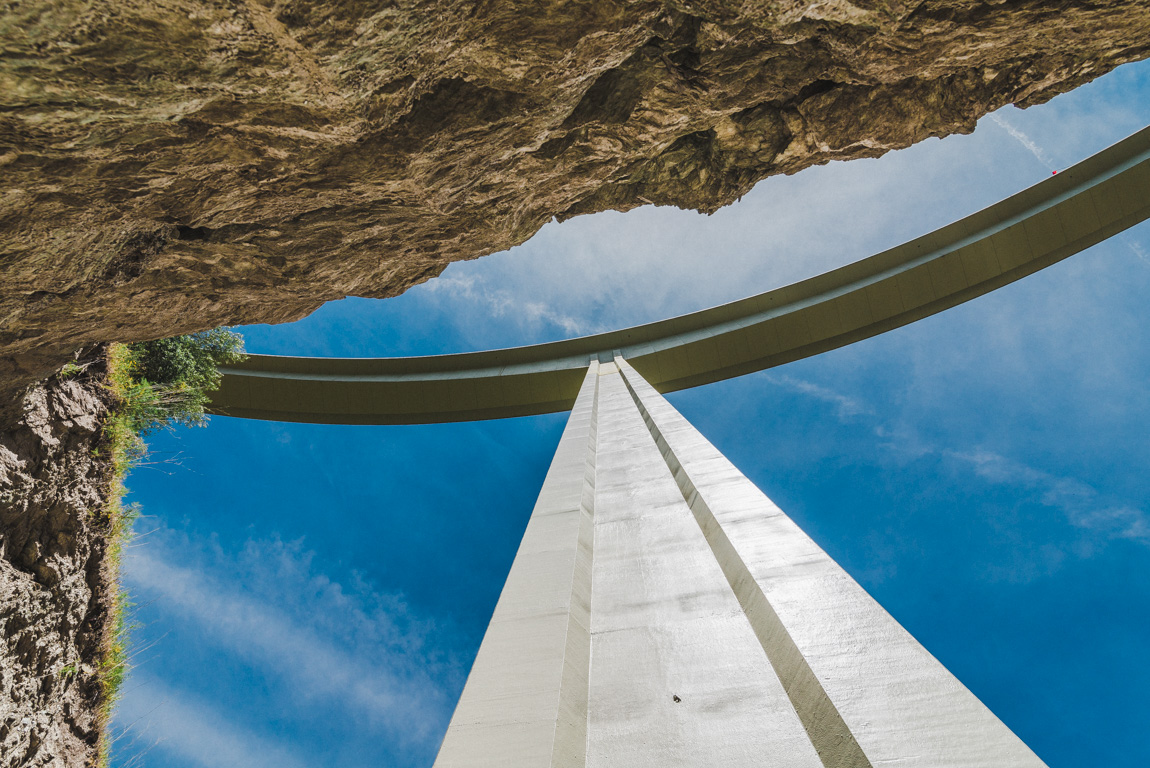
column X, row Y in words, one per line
column 171, row 377
column 189, row 360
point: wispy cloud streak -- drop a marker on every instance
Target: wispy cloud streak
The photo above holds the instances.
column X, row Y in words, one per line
column 1031, row 146
column 1137, row 249
column 1081, row 503
column 349, row 649
column 847, row 407
column 501, row 303
column 1083, row 506
column 161, row 719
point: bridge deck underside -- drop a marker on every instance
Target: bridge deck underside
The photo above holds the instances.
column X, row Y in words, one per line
column 1094, row 200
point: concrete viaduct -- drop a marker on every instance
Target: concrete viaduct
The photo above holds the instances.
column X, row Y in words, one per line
column 661, row 611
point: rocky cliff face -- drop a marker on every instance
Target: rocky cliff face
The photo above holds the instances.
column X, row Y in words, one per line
column 173, row 166
column 54, row 584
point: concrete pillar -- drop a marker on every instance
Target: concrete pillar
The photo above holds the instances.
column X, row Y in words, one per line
column 525, row 701
column 662, row 612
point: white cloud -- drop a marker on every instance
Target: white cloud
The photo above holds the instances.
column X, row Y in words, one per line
column 1031, row 146
column 1082, row 504
column 1137, row 249
column 343, row 647
column 502, row 303
column 846, row 407
column 155, row 717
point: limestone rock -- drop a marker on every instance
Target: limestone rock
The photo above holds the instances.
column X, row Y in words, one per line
column 166, row 167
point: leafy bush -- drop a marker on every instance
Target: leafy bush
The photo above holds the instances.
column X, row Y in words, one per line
column 171, row 377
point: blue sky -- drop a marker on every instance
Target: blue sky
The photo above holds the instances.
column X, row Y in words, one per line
column 314, row 595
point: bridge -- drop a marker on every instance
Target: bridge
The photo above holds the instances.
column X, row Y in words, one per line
column 662, row 611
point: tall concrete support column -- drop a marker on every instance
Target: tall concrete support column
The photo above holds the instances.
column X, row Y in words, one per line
column 525, row 701
column 661, row 611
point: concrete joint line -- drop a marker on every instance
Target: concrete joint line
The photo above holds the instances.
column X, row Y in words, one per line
column 828, row 732
column 569, row 749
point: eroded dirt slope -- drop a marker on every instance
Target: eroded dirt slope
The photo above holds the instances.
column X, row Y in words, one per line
column 54, row 582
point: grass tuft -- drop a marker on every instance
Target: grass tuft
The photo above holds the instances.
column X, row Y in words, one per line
column 127, row 449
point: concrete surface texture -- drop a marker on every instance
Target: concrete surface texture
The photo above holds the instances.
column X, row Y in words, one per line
column 1067, row 213
column 661, row 611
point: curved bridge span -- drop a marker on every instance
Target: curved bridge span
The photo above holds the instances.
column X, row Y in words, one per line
column 1067, row 213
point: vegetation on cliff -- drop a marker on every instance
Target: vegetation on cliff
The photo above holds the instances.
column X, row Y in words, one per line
column 168, row 380
column 154, row 384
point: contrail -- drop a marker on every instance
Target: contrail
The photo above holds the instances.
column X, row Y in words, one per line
column 1025, row 141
